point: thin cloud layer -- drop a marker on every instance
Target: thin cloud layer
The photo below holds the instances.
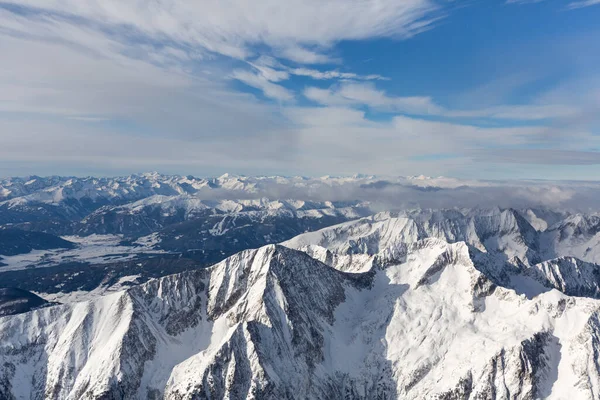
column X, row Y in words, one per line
column 572, row 5
column 115, row 86
column 359, row 94
column 581, row 4
column 401, row 193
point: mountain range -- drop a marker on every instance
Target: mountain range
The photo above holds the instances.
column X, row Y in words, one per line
column 162, row 287
column 443, row 304
column 64, row 237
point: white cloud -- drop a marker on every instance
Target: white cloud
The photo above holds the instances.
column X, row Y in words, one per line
column 581, row 4
column 48, row 80
column 525, row 112
column 355, row 94
column 302, row 55
column 323, row 75
column 271, row 74
column 259, row 81
column 89, row 119
column 573, row 5
column 268, row 70
column 78, row 145
column 276, row 71
column 540, row 156
column 366, row 94
column 342, row 140
column 233, row 28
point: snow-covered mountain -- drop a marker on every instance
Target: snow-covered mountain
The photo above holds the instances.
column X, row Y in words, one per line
column 40, row 200
column 153, row 237
column 471, row 304
column 58, row 205
column 75, row 206
column 56, row 189
column 458, row 303
column 154, row 213
column 494, row 234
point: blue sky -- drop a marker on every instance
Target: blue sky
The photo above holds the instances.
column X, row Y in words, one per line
column 473, row 89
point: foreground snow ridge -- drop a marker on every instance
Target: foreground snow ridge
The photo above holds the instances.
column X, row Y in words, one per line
column 382, row 308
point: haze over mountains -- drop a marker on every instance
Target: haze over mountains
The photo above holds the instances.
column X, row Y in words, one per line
column 179, row 288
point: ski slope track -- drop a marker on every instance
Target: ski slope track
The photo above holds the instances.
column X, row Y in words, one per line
column 416, row 305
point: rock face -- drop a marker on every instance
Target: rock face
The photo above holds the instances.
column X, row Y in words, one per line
column 380, row 308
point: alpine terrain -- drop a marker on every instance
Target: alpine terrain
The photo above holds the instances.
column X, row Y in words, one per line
column 424, row 304
column 452, row 254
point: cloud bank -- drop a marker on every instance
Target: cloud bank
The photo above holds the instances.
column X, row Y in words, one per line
column 261, row 87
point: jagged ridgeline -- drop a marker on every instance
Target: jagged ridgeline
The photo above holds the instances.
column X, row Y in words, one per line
column 418, row 305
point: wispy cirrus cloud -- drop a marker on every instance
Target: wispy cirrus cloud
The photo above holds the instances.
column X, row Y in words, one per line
column 366, row 94
column 581, row 4
column 234, row 28
column 185, row 39
column 303, row 55
column 91, row 79
column 572, row 5
column 539, row 156
column 267, row 72
column 261, row 82
column 327, row 75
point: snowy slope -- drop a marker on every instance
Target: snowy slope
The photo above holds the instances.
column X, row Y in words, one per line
column 275, row 323
column 151, row 214
column 498, row 235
